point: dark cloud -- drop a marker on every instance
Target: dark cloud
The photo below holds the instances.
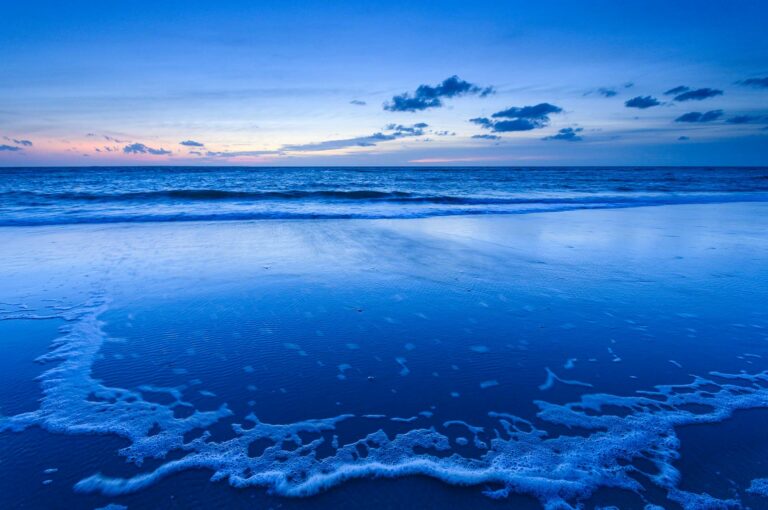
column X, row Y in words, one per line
column 196, row 153
column 506, row 126
column 140, row 148
column 567, row 134
column 698, row 94
column 413, row 130
column 629, row 85
column 540, row 111
column 444, row 133
column 523, row 118
column 357, row 102
column 677, row 90
column 191, row 143
column 486, row 137
column 642, row 102
column 700, row 117
column 9, row 148
column 427, row 96
column 761, row 83
column 606, row 92
column 683, row 138
column 112, row 139
column 744, row 119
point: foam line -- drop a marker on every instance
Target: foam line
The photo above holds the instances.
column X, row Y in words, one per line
column 560, row 470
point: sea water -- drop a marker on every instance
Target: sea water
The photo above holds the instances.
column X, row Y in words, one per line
column 597, row 358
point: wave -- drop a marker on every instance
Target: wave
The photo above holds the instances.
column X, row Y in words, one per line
column 445, row 206
column 365, row 195
column 217, row 194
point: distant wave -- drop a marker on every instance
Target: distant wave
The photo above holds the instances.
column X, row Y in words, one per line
column 216, row 194
column 443, row 206
column 339, row 195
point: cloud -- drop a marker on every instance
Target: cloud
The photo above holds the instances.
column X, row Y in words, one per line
column 683, row 138
column 196, row 153
column 761, row 83
column 140, row 148
column 413, row 130
column 237, row 154
column 191, row 143
column 744, row 119
column 395, row 131
column 567, row 134
column 389, row 133
column 700, row 117
column 111, row 139
column 698, row 94
column 606, row 92
column 427, row 96
column 357, row 102
column 486, row 137
column 9, row 148
column 677, row 90
column 523, row 118
column 23, row 143
column 642, row 102
column 539, row 111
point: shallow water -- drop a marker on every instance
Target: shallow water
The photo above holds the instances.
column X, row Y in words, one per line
column 457, row 346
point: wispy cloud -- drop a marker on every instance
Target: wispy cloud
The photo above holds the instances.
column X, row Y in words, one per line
column 238, row 154
column 427, row 96
column 642, row 102
column 761, row 83
column 607, row 92
column 390, row 132
column 523, row 118
column 744, row 119
column 357, row 102
column 677, row 90
column 486, row 137
column 700, row 117
column 191, row 143
column 9, row 148
column 140, row 148
column 23, row 143
column 566, row 134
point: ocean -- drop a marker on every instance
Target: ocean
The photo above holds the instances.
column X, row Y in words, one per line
column 31, row 196
column 557, row 338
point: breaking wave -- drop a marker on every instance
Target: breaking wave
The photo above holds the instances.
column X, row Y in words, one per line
column 215, row 205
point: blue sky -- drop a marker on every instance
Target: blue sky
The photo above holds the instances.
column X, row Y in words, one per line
column 372, row 83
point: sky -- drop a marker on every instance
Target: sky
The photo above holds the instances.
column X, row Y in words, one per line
column 300, row 82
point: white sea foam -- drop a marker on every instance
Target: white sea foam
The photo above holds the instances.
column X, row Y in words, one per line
column 514, row 455
column 552, row 377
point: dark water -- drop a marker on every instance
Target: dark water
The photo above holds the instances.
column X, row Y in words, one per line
column 101, row 195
